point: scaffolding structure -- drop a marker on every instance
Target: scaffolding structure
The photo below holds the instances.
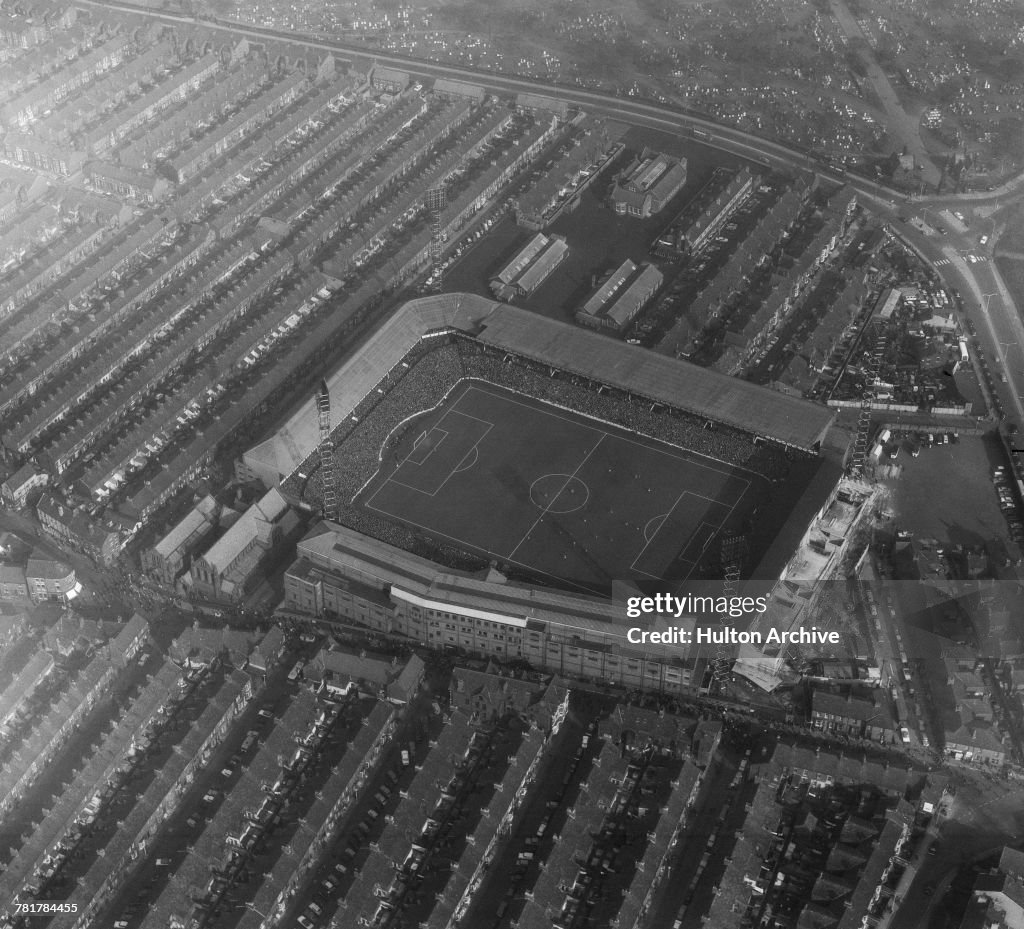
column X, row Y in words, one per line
column 734, row 550
column 328, row 475
column 436, row 200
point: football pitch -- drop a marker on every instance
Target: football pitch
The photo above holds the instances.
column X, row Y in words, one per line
column 579, row 501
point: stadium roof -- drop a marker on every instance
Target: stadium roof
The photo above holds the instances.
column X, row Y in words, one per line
column 281, row 454
column 697, row 390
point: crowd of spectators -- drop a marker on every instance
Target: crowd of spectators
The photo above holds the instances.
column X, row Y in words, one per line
column 384, row 426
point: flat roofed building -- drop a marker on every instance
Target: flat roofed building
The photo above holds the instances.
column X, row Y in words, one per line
column 47, row 579
column 13, row 586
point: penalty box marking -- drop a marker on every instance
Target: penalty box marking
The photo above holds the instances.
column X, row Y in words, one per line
column 705, row 528
column 474, row 432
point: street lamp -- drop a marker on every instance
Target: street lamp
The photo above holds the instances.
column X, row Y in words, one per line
column 987, row 298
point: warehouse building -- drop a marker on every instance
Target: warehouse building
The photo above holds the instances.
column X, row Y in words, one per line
column 531, row 266
column 621, row 298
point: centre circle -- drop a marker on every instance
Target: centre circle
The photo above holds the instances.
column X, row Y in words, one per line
column 559, row 493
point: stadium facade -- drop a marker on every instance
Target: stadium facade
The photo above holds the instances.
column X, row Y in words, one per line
column 346, row 578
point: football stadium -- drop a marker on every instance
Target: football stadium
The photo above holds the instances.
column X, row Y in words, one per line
column 481, row 436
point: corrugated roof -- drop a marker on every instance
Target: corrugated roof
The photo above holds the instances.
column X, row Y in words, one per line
column 640, row 289
column 609, row 288
column 522, row 258
column 548, row 260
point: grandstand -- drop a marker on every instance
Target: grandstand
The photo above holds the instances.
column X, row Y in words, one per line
column 280, row 456
column 713, row 397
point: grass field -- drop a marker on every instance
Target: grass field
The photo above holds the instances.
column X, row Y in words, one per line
column 556, row 494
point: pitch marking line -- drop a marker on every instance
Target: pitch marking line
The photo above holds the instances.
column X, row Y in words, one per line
column 430, row 451
column 475, row 452
column 653, row 443
column 458, row 466
column 664, row 519
column 551, row 502
column 456, row 470
column 387, row 514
